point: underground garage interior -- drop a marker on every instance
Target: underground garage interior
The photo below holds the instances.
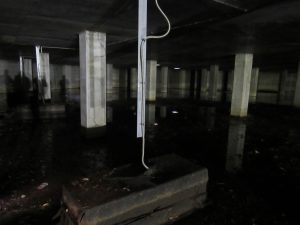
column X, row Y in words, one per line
column 118, row 112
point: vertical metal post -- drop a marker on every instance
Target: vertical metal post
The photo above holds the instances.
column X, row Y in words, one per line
column 21, row 67
column 142, row 53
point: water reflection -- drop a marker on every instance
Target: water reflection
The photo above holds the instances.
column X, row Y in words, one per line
column 236, row 143
column 109, row 114
column 150, row 114
column 210, row 118
column 163, row 112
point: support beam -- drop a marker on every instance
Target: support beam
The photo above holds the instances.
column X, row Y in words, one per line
column 113, row 83
column 297, row 90
column 241, row 85
column 213, row 83
column 192, row 88
column 283, row 88
column 43, row 69
column 26, row 71
column 122, row 78
column 184, row 83
column 151, row 80
column 93, row 82
column 164, row 81
column 205, row 78
column 254, row 85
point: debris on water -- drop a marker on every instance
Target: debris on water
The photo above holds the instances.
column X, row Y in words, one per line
column 126, row 189
column 45, row 205
column 23, row 196
column 42, row 186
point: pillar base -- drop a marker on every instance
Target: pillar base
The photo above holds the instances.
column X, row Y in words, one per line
column 95, row 132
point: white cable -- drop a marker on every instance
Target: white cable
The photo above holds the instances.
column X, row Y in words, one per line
column 142, row 72
column 143, row 106
column 168, row 22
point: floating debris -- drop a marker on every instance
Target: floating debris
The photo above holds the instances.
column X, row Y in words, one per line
column 42, row 186
column 23, row 196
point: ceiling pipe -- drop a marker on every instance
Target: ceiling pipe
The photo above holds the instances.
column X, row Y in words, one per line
column 231, row 4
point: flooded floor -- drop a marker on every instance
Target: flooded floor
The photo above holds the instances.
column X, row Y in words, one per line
column 253, row 164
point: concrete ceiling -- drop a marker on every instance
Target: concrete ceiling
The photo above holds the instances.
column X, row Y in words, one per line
column 204, row 31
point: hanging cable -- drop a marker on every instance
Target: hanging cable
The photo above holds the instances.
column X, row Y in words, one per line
column 143, row 41
column 167, row 20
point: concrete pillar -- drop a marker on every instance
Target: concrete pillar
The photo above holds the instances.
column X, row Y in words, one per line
column 205, row 85
column 235, row 147
column 151, row 80
column 93, row 82
column 133, row 82
column 184, row 83
column 67, row 76
column 122, row 75
column 45, row 75
column 213, row 82
column 254, row 85
column 163, row 112
column 27, row 71
column 164, row 81
column 297, row 90
column 283, row 88
column 241, row 84
column 197, row 85
column 112, row 82
column 230, row 85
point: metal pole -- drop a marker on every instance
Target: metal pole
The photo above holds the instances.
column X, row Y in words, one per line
column 142, row 53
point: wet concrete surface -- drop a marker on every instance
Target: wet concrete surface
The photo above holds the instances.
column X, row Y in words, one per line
column 253, row 164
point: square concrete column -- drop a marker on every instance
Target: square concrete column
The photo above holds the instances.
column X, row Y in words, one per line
column 254, row 84
column 151, row 80
column 204, row 85
column 93, row 82
column 241, row 85
column 45, row 75
column 122, row 78
column 112, row 82
column 213, row 82
column 164, row 81
column 283, row 86
column 297, row 90
column 43, row 68
column 71, row 74
column 27, row 70
column 184, row 83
